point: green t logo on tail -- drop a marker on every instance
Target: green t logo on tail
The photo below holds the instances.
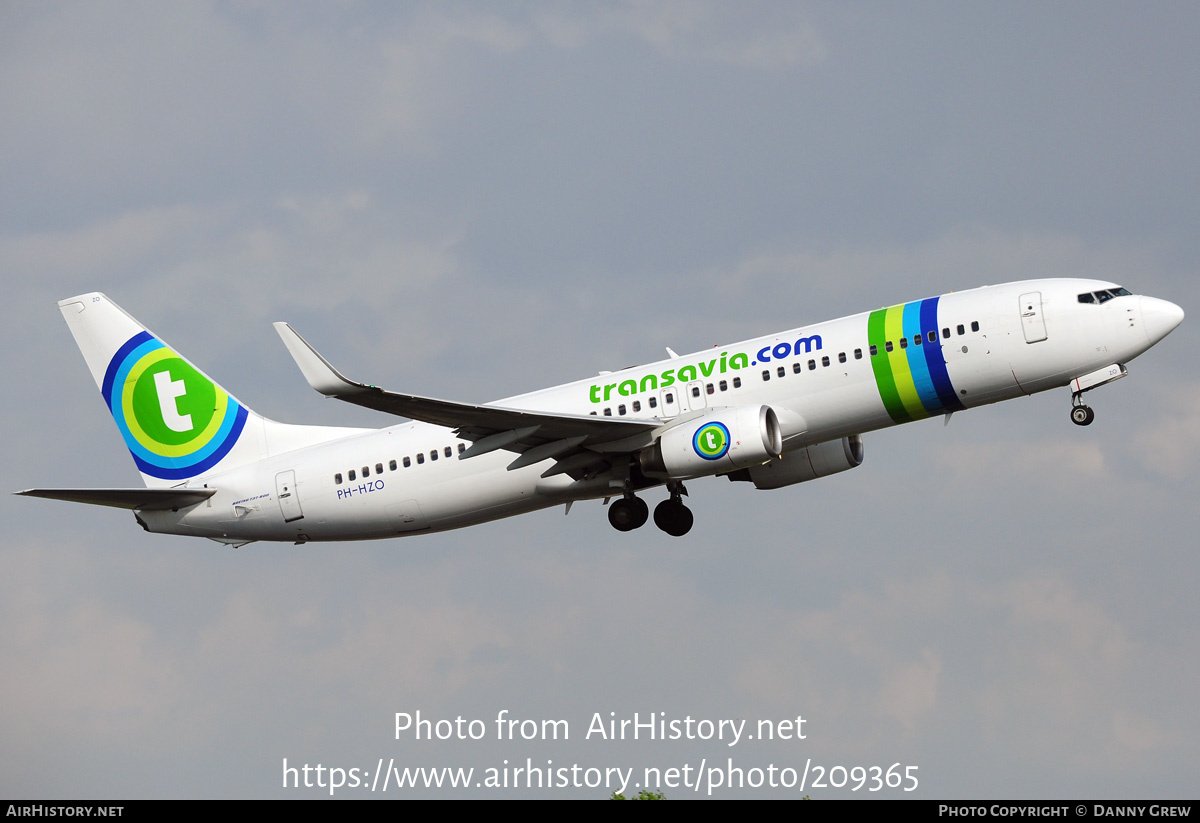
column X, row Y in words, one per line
column 176, row 422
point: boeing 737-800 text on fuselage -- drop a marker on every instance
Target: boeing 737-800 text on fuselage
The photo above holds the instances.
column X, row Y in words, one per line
column 772, row 411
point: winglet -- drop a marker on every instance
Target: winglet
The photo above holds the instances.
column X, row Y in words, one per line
column 318, row 371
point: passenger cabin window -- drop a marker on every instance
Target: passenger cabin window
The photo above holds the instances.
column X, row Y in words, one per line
column 407, row 462
column 887, row 346
column 874, row 350
column 841, row 357
column 710, row 388
column 724, row 385
column 366, row 471
column 695, row 391
column 462, row 448
column 858, row 354
column 974, row 325
column 946, row 332
column 391, row 465
column 904, row 342
column 433, row 455
column 812, row 365
column 917, row 339
column 653, row 402
column 670, row 397
column 796, row 367
column 420, row 457
column 637, row 405
column 621, row 409
column 737, row 382
column 448, row 451
column 352, row 475
column 608, row 412
column 337, row 478
column 766, row 374
column 825, row 360
column 379, row 468
column 780, row 372
column 961, row 330
column 933, row 336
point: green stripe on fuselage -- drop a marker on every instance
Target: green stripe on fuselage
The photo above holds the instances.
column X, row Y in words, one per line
column 881, row 365
column 893, row 374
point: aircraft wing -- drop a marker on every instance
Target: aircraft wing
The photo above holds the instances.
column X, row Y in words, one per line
column 541, row 434
column 127, row 498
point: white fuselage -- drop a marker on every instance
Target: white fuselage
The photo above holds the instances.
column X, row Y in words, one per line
column 822, row 381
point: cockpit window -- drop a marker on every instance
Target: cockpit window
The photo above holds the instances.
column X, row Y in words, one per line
column 1104, row 295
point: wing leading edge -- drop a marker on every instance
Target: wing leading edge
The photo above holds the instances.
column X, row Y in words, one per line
column 536, row 435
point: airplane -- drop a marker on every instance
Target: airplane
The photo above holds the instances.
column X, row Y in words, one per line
column 773, row 411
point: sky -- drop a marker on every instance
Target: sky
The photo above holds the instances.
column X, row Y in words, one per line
column 474, row 200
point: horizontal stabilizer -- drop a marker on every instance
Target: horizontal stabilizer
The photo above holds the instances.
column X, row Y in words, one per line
column 149, row 499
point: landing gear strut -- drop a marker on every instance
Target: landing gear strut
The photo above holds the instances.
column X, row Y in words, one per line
column 671, row 515
column 628, row 513
column 1081, row 415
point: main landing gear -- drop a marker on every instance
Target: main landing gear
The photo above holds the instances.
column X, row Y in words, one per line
column 628, row 513
column 631, row 512
column 1081, row 415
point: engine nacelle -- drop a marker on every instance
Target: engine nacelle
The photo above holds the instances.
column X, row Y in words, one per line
column 721, row 441
column 809, row 463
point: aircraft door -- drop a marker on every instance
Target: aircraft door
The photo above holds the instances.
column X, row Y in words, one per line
column 669, row 402
column 695, row 396
column 289, row 500
column 1032, row 322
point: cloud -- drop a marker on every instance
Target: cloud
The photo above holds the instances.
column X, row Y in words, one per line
column 1168, row 442
column 964, row 256
column 910, row 689
column 776, row 36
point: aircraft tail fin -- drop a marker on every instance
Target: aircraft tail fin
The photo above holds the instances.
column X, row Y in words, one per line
column 177, row 422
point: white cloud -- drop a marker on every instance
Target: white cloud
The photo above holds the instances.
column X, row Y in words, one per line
column 109, row 245
column 910, row 689
column 962, row 257
column 696, row 31
column 1167, row 443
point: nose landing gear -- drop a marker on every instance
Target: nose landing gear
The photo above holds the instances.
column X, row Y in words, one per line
column 1081, row 415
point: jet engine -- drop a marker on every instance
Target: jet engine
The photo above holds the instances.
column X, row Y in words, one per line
column 820, row 460
column 721, row 441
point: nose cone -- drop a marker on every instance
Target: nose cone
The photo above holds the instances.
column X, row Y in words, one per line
column 1160, row 318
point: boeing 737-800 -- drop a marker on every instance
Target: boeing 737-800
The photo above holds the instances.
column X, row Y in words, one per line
column 772, row 411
